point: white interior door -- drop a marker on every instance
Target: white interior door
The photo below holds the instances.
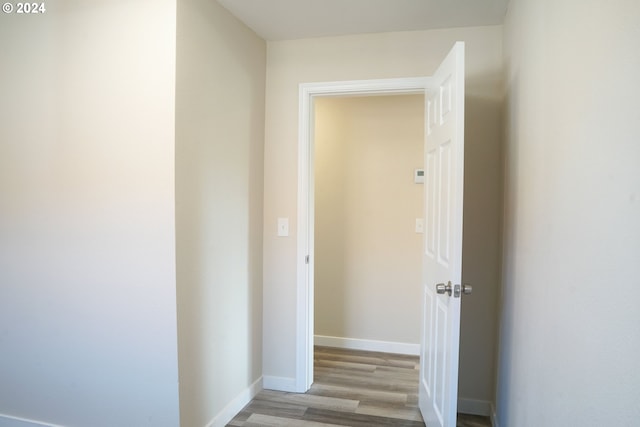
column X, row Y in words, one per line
column 442, row 257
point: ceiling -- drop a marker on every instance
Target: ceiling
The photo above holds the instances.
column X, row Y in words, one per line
column 296, row 19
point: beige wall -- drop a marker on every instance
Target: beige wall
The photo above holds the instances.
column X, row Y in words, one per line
column 386, row 55
column 367, row 253
column 87, row 249
column 569, row 335
column 219, row 168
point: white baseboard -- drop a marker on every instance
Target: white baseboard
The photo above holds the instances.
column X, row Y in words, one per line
column 368, row 345
column 474, row 407
column 494, row 416
column 279, row 383
column 10, row 421
column 236, row 405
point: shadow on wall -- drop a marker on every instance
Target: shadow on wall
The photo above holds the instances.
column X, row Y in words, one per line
column 506, row 306
column 482, row 237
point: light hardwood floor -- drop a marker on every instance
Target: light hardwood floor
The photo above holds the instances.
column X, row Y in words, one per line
column 351, row 388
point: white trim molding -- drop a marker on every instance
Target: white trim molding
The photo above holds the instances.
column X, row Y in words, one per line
column 369, row 345
column 11, row 421
column 236, row 405
column 279, row 384
column 494, row 416
column 474, row 407
column 305, row 242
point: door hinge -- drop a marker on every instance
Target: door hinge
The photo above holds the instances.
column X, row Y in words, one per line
column 306, row 259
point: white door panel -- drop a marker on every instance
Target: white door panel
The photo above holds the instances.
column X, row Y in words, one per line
column 442, row 258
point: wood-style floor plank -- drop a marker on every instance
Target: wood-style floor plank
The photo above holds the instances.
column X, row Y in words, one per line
column 351, row 388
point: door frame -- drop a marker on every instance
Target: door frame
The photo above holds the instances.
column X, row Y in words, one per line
column 306, row 200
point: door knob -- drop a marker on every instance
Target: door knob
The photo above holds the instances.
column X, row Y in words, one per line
column 441, row 288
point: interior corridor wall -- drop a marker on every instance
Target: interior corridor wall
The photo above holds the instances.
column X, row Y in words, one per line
column 219, row 169
column 387, row 55
column 367, row 252
column 87, row 224
column 569, row 339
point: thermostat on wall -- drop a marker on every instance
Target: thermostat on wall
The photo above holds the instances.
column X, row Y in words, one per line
column 418, row 176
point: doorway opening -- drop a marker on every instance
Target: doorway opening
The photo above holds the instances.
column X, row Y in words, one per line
column 306, row 198
column 368, row 210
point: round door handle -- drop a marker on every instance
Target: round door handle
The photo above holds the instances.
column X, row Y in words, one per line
column 441, row 288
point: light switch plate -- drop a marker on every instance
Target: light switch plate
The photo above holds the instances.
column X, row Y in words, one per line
column 419, row 225
column 283, row 227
